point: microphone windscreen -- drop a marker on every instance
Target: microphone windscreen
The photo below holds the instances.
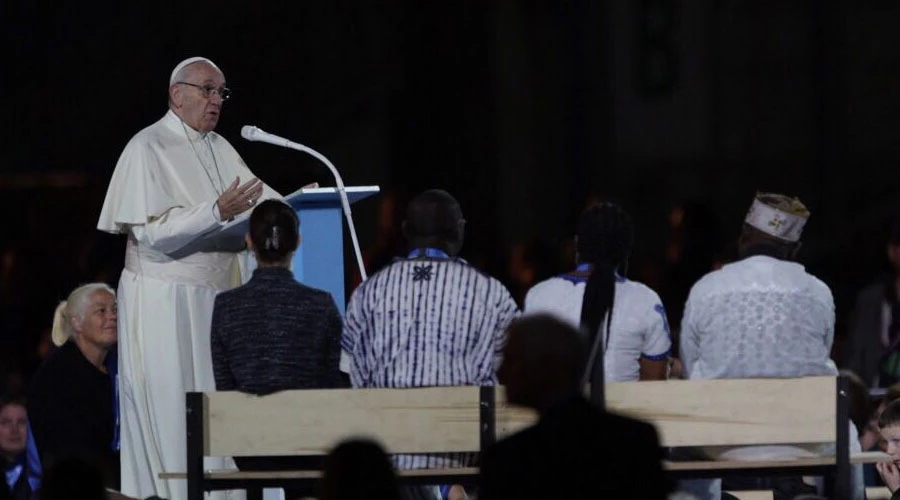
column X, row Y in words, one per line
column 249, row 132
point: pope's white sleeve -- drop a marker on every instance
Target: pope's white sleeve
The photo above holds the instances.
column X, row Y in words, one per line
column 177, row 227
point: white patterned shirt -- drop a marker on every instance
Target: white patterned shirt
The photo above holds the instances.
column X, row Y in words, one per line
column 639, row 327
column 756, row 318
column 762, row 317
column 427, row 322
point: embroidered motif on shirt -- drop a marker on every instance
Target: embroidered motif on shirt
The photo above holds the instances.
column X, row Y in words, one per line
column 422, row 273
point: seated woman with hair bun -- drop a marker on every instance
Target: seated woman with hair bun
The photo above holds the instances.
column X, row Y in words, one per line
column 72, row 403
column 273, row 333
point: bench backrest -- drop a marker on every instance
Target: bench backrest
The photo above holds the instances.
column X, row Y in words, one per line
column 717, row 412
column 311, row 422
column 460, row 419
column 733, row 412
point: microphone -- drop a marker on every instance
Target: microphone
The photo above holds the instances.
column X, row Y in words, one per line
column 252, row 133
column 255, row 134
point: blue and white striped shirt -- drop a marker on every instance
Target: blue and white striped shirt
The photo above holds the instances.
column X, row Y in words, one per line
column 427, row 322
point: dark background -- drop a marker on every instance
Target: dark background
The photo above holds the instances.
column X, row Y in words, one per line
column 678, row 110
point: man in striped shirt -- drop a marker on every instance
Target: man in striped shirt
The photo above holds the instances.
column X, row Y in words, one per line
column 429, row 319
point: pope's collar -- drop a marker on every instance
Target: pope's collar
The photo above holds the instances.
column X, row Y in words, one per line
column 177, row 125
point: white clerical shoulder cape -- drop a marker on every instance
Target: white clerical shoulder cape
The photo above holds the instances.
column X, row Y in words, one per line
column 162, row 195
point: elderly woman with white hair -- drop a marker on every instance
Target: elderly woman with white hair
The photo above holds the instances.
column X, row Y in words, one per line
column 72, row 403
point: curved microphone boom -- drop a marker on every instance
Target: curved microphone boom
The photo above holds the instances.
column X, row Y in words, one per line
column 252, row 133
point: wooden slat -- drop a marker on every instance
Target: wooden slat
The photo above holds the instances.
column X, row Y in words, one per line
column 510, row 418
column 752, row 494
column 869, row 457
column 313, row 474
column 732, row 412
column 857, row 458
column 456, row 471
column 287, row 474
column 311, row 422
column 866, row 457
column 878, row 493
column 669, row 465
column 746, row 464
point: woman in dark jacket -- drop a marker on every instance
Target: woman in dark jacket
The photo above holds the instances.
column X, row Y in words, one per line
column 273, row 333
column 72, row 400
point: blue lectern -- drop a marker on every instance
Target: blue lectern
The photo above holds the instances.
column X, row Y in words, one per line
column 319, row 262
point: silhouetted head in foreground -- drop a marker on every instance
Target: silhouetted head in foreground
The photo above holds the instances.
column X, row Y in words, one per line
column 543, row 362
column 359, row 469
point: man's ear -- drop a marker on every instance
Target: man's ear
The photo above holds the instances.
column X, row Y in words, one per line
column 176, row 96
column 795, row 251
column 249, row 242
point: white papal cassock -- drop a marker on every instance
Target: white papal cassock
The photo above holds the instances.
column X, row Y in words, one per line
column 162, row 195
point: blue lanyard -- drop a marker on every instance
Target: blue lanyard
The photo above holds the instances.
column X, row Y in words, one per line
column 577, row 279
column 14, row 472
column 25, row 464
column 585, row 267
column 432, row 253
column 33, row 462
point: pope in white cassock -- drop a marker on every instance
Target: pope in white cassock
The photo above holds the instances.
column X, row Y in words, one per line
column 175, row 182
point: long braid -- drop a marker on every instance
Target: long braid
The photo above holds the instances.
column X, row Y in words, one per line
column 605, row 236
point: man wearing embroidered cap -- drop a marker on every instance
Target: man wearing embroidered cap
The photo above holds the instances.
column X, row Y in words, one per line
column 763, row 316
column 176, row 180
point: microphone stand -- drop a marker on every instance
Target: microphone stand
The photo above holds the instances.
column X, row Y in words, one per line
column 342, row 191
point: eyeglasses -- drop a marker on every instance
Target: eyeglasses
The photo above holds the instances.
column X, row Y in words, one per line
column 207, row 90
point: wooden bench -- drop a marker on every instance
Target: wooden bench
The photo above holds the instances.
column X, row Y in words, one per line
column 311, row 422
column 467, row 419
column 878, row 493
column 741, row 412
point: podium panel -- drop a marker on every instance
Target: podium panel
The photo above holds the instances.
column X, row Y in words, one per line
column 320, row 263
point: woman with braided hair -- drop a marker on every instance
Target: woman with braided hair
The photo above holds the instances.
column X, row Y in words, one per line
column 597, row 297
